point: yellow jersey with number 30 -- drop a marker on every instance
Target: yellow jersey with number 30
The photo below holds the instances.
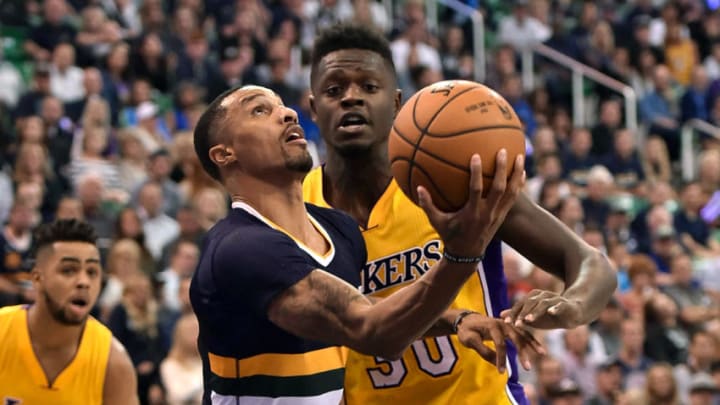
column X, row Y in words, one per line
column 402, row 245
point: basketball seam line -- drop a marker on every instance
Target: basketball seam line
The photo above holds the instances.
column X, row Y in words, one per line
column 465, row 131
column 432, row 183
column 440, row 158
column 424, row 130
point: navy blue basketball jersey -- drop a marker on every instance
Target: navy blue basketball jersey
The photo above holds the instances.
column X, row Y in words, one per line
column 246, row 261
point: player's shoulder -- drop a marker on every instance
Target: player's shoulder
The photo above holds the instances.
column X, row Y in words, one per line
column 9, row 310
column 331, row 216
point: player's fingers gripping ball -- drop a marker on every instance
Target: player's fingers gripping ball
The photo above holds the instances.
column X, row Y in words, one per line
column 438, row 130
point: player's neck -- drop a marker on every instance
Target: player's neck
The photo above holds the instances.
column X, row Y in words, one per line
column 49, row 334
column 355, row 183
column 282, row 204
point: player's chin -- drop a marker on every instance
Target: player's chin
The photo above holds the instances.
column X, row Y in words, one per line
column 354, row 147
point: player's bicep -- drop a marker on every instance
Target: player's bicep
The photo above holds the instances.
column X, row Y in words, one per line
column 321, row 307
column 120, row 386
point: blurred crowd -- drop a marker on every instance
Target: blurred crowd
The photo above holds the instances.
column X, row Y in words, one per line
column 99, row 98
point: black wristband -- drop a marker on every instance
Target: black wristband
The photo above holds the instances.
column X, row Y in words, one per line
column 462, row 259
column 459, row 319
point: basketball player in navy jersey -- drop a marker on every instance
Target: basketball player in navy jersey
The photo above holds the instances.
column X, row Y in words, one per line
column 276, row 286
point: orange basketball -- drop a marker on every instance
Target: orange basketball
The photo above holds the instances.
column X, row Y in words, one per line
column 438, row 130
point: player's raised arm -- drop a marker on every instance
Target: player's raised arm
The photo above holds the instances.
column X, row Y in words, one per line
column 322, row 307
column 588, row 275
column 120, row 378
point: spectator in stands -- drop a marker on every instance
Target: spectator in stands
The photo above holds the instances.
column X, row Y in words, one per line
column 512, row 90
column 184, row 25
column 141, row 92
column 122, row 262
column 709, row 171
column 549, row 374
column 633, row 362
column 96, row 36
column 693, row 230
column 681, row 54
column 665, row 245
column 150, row 61
column 547, row 168
column 90, row 191
column 602, row 133
column 702, row 352
column 190, row 230
column 183, row 260
column 66, row 79
column 236, row 69
column 29, row 103
column 642, row 273
column 181, row 371
column 504, row 66
column 92, row 160
column 656, row 160
column 159, row 166
column 188, row 98
column 661, row 26
column 116, row 78
column 195, row 63
column 59, row 132
column 660, row 199
column 134, row 322
column 279, row 76
column 600, row 183
column 608, row 326
column 570, row 212
column 370, row 13
column 15, row 248
column 210, row 205
column 129, row 226
column 566, row 392
column 54, row 30
column 32, row 166
column 617, row 225
column 582, row 355
column 131, row 158
column 703, row 390
column 521, row 30
column 412, row 49
column 11, row 83
column 712, row 62
column 69, row 208
column 695, row 306
column 666, row 339
column 552, row 193
column 577, row 160
column 159, row 228
column 658, row 110
column 693, row 103
column 624, row 161
column 608, row 383
column 452, row 52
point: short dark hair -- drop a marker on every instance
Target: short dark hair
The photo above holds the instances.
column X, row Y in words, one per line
column 206, row 133
column 63, row 230
column 349, row 36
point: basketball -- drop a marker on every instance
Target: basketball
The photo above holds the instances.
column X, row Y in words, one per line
column 437, row 131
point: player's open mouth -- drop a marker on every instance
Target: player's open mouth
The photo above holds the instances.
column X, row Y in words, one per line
column 295, row 134
column 352, row 122
column 79, row 303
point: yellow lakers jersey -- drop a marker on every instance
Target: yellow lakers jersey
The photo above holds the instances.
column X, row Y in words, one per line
column 402, row 245
column 22, row 379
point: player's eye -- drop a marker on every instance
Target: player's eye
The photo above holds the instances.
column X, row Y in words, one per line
column 333, row 91
column 259, row 110
column 68, row 270
column 93, row 272
column 370, row 87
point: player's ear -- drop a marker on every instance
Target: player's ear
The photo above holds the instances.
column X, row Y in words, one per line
column 222, row 154
column 313, row 114
column 398, row 102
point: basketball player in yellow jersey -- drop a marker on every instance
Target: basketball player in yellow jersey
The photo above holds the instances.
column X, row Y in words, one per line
column 354, row 100
column 52, row 351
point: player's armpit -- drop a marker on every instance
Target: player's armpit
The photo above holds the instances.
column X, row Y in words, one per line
column 120, row 386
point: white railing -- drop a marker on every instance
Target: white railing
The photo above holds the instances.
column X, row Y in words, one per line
column 478, row 30
column 579, row 73
column 687, row 144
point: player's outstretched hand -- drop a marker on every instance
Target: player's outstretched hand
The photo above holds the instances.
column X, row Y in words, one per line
column 544, row 310
column 476, row 329
column 468, row 231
